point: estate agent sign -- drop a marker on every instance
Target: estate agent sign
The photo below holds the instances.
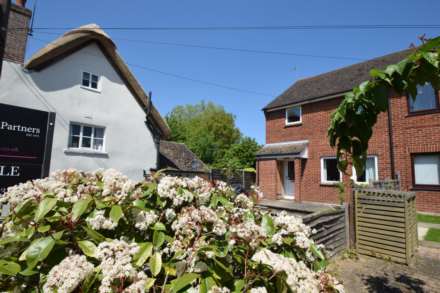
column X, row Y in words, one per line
column 25, row 144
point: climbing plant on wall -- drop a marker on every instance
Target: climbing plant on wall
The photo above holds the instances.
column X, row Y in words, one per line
column 352, row 123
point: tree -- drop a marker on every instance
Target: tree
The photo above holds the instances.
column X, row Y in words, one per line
column 240, row 155
column 207, row 129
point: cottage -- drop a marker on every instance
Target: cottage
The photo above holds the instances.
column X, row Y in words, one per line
column 104, row 119
column 298, row 163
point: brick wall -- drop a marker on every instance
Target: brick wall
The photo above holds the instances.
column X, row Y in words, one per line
column 16, row 38
column 411, row 134
column 414, row 134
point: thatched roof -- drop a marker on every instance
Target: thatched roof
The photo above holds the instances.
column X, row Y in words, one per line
column 78, row 38
column 177, row 156
column 334, row 82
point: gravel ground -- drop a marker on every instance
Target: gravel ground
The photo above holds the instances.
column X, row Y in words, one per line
column 367, row 274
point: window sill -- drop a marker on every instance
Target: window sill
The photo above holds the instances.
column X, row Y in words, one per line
column 423, row 112
column 295, row 124
column 85, row 152
column 91, row 89
column 332, row 184
column 426, row 188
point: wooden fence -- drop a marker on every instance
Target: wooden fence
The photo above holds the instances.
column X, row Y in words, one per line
column 386, row 224
column 330, row 226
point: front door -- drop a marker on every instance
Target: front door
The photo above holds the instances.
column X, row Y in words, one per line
column 289, row 179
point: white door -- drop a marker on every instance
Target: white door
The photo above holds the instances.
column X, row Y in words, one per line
column 289, row 179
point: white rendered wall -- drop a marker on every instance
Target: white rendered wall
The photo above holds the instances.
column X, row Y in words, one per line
column 129, row 145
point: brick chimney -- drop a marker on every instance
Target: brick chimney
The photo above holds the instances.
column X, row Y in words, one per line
column 18, row 28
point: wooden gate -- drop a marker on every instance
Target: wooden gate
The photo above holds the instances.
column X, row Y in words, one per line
column 386, row 224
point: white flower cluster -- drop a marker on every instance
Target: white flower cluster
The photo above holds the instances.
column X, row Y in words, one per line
column 290, row 224
column 249, row 232
column 243, row 201
column 216, row 289
column 116, row 184
column 116, row 257
column 68, row 274
column 299, row 277
column 258, row 290
column 99, row 221
column 144, row 219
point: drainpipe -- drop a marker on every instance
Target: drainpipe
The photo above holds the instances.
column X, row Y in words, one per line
column 390, row 136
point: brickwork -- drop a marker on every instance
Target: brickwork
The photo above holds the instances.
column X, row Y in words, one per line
column 411, row 134
column 17, row 35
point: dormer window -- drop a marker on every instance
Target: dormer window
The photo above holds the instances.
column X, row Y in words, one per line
column 293, row 115
column 90, row 81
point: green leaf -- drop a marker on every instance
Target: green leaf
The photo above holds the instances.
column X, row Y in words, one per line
column 267, row 225
column 159, row 227
column 318, row 253
column 28, row 272
column 238, row 286
column 43, row 229
column 149, row 283
column 9, row 268
column 116, row 213
column 206, row 284
column 145, row 251
column 183, row 281
column 96, row 236
column 139, row 203
column 80, row 207
column 87, row 247
column 24, row 208
column 38, row 251
column 45, row 206
column 155, row 264
column 158, row 238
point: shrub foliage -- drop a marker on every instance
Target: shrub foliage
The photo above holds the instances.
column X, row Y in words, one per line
column 101, row 232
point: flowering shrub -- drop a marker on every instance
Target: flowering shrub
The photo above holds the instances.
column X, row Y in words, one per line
column 101, row 232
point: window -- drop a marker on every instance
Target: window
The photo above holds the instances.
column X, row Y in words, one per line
column 86, row 137
column 90, row 80
column 293, row 115
column 370, row 173
column 426, row 169
column 426, row 99
column 329, row 170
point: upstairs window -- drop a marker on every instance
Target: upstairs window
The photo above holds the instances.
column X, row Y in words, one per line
column 90, row 81
column 293, row 115
column 330, row 173
column 426, row 170
column 426, row 99
column 86, row 137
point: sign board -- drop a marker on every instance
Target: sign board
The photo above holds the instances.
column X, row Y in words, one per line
column 25, row 144
column 4, row 18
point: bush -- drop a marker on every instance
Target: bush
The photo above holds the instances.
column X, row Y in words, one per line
column 101, row 232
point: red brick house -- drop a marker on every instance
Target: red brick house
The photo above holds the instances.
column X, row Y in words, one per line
column 297, row 162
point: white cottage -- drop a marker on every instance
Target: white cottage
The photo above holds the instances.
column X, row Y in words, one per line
column 104, row 119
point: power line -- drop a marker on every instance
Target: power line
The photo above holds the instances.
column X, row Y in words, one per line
column 240, row 50
column 179, row 76
column 259, row 28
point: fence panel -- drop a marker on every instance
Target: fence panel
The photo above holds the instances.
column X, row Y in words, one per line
column 386, row 224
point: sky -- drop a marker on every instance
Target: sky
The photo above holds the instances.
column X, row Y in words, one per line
column 241, row 81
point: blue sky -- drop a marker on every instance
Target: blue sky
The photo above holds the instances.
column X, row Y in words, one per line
column 266, row 74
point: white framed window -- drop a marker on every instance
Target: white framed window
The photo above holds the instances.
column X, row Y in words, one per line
column 426, row 170
column 87, row 137
column 371, row 172
column 330, row 173
column 90, row 81
column 293, row 115
column 426, row 99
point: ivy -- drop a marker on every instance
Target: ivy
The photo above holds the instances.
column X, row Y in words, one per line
column 352, row 123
